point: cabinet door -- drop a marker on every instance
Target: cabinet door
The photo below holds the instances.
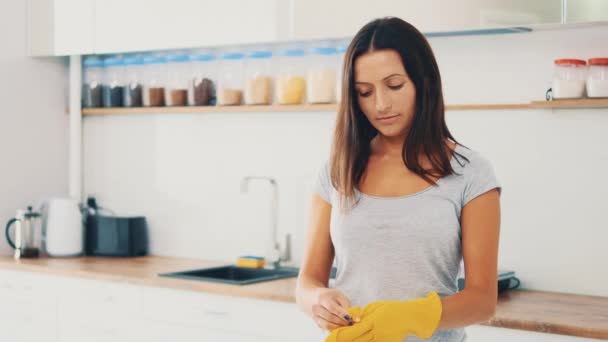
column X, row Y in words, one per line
column 243, row 316
column 482, row 333
column 27, row 307
column 60, row 27
column 317, row 19
column 134, row 25
column 97, row 310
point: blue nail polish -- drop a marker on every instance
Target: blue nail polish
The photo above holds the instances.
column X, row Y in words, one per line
column 347, row 317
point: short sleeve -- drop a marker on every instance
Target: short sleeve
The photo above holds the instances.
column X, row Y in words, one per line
column 480, row 178
column 323, row 183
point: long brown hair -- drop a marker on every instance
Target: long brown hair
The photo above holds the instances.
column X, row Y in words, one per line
column 353, row 132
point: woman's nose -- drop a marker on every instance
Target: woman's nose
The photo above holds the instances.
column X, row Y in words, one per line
column 383, row 104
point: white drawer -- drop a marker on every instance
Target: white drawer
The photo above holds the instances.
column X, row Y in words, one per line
column 91, row 302
column 261, row 318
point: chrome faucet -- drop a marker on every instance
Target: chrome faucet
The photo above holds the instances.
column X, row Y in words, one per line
column 282, row 254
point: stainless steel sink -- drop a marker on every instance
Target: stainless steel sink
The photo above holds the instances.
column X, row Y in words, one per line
column 232, row 274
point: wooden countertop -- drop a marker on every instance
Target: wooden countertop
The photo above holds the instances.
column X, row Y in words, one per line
column 557, row 313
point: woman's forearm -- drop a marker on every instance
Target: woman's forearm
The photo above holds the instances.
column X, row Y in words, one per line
column 467, row 307
column 307, row 293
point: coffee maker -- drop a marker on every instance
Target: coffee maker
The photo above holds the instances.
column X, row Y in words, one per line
column 28, row 233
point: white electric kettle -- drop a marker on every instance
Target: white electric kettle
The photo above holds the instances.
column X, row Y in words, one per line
column 63, row 228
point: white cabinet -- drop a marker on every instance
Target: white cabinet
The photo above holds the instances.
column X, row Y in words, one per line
column 27, row 307
column 60, row 27
column 317, row 19
column 132, row 25
column 200, row 313
column 97, row 311
column 66, row 309
column 482, row 333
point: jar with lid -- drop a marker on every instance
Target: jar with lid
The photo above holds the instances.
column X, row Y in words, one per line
column 291, row 77
column 597, row 80
column 93, row 83
column 178, row 80
column 259, row 78
column 113, row 85
column 133, row 81
column 569, row 76
column 321, row 76
column 230, row 80
column 155, row 75
column 340, row 53
column 204, row 77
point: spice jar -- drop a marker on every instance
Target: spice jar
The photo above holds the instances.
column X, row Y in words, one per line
column 230, row 81
column 291, row 77
column 92, row 84
column 202, row 87
column 569, row 76
column 597, row 80
column 178, row 80
column 155, row 74
column 321, row 76
column 340, row 52
column 259, row 79
column 133, row 82
column 113, row 85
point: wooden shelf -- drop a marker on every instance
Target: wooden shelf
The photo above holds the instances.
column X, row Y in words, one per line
column 580, row 103
column 555, row 104
column 212, row 109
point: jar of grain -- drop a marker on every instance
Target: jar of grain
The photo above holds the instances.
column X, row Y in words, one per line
column 569, row 76
column 92, row 83
column 321, row 76
column 597, row 80
column 204, row 77
column 178, row 80
column 291, row 77
column 258, row 78
column 133, row 81
column 113, row 84
column 155, row 75
column 230, row 80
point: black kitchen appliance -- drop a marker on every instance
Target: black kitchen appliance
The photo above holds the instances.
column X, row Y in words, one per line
column 116, row 236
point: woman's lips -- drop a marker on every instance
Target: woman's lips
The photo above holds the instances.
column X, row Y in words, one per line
column 388, row 119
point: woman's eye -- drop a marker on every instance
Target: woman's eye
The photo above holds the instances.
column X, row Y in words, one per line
column 365, row 94
column 396, row 87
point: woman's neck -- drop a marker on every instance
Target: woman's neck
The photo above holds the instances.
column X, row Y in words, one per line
column 388, row 147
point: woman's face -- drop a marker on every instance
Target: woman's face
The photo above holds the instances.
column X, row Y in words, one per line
column 385, row 92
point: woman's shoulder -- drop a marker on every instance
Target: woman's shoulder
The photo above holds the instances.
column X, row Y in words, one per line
column 469, row 159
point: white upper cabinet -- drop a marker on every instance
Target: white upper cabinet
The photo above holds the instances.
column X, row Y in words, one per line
column 134, row 25
column 60, row 27
column 317, row 19
column 68, row 27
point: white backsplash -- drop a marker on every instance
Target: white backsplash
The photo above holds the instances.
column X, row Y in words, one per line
column 183, row 171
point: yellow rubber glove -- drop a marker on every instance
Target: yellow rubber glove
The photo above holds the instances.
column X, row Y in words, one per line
column 393, row 321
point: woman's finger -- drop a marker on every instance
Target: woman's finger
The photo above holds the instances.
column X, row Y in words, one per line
column 322, row 312
column 323, row 324
column 339, row 311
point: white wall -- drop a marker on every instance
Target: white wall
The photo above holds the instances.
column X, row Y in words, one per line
column 183, row 171
column 33, row 141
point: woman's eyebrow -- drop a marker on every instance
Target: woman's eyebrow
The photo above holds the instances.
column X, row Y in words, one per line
column 387, row 77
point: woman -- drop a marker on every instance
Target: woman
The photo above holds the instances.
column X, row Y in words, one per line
column 400, row 203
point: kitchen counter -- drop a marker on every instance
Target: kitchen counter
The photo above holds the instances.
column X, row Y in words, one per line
column 557, row 313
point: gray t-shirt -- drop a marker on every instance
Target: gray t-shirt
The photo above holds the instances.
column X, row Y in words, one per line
column 401, row 248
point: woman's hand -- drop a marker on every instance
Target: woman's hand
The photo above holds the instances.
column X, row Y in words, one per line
column 330, row 309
